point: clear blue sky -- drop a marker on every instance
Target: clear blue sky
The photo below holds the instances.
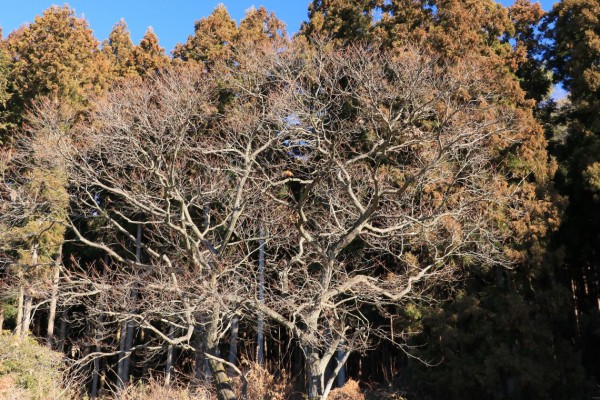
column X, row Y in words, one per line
column 171, row 20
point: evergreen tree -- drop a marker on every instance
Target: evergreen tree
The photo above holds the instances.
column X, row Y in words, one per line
column 573, row 27
column 212, row 39
column 260, row 26
column 148, row 57
column 56, row 55
column 5, row 94
column 118, row 49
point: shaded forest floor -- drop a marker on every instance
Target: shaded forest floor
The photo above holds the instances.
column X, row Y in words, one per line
column 31, row 371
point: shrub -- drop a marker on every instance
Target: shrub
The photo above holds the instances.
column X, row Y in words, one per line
column 29, row 370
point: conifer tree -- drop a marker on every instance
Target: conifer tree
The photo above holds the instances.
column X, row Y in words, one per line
column 5, row 94
column 56, row 55
column 573, row 27
column 260, row 26
column 118, row 49
column 212, row 39
column 148, row 57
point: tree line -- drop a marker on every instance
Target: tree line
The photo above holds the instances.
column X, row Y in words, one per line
column 390, row 196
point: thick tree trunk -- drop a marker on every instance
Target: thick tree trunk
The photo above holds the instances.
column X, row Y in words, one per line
column 314, row 374
column 54, row 298
column 222, row 381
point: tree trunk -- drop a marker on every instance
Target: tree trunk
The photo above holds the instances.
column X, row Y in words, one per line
column 260, row 336
column 63, row 330
column 122, row 337
column 27, row 306
column 127, row 340
column 19, row 321
column 341, row 377
column 314, row 374
column 1, row 317
column 54, row 299
column 222, row 381
column 169, row 362
column 95, row 377
column 233, row 340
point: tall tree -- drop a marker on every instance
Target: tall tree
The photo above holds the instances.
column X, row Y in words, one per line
column 118, row 49
column 5, row 94
column 573, row 26
column 148, row 57
column 260, row 26
column 342, row 20
column 212, row 40
column 57, row 55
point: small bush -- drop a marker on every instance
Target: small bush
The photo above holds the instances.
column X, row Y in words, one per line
column 29, row 371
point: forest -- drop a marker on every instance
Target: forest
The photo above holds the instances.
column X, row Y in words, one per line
column 389, row 204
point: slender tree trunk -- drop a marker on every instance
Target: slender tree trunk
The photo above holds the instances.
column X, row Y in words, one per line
column 19, row 327
column 260, row 353
column 200, row 348
column 233, row 340
column 128, row 334
column 63, row 330
column 341, row 377
column 120, row 365
column 95, row 377
column 54, row 298
column 170, row 355
column 1, row 317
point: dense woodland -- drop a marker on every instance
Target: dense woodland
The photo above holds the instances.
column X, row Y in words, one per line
column 390, row 197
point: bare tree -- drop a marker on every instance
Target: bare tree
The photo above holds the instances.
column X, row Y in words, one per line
column 178, row 157
column 315, row 189
column 390, row 186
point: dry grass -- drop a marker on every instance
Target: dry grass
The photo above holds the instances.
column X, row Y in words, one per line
column 263, row 385
column 156, row 390
column 350, row 391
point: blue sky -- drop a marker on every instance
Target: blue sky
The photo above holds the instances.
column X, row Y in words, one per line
column 172, row 20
